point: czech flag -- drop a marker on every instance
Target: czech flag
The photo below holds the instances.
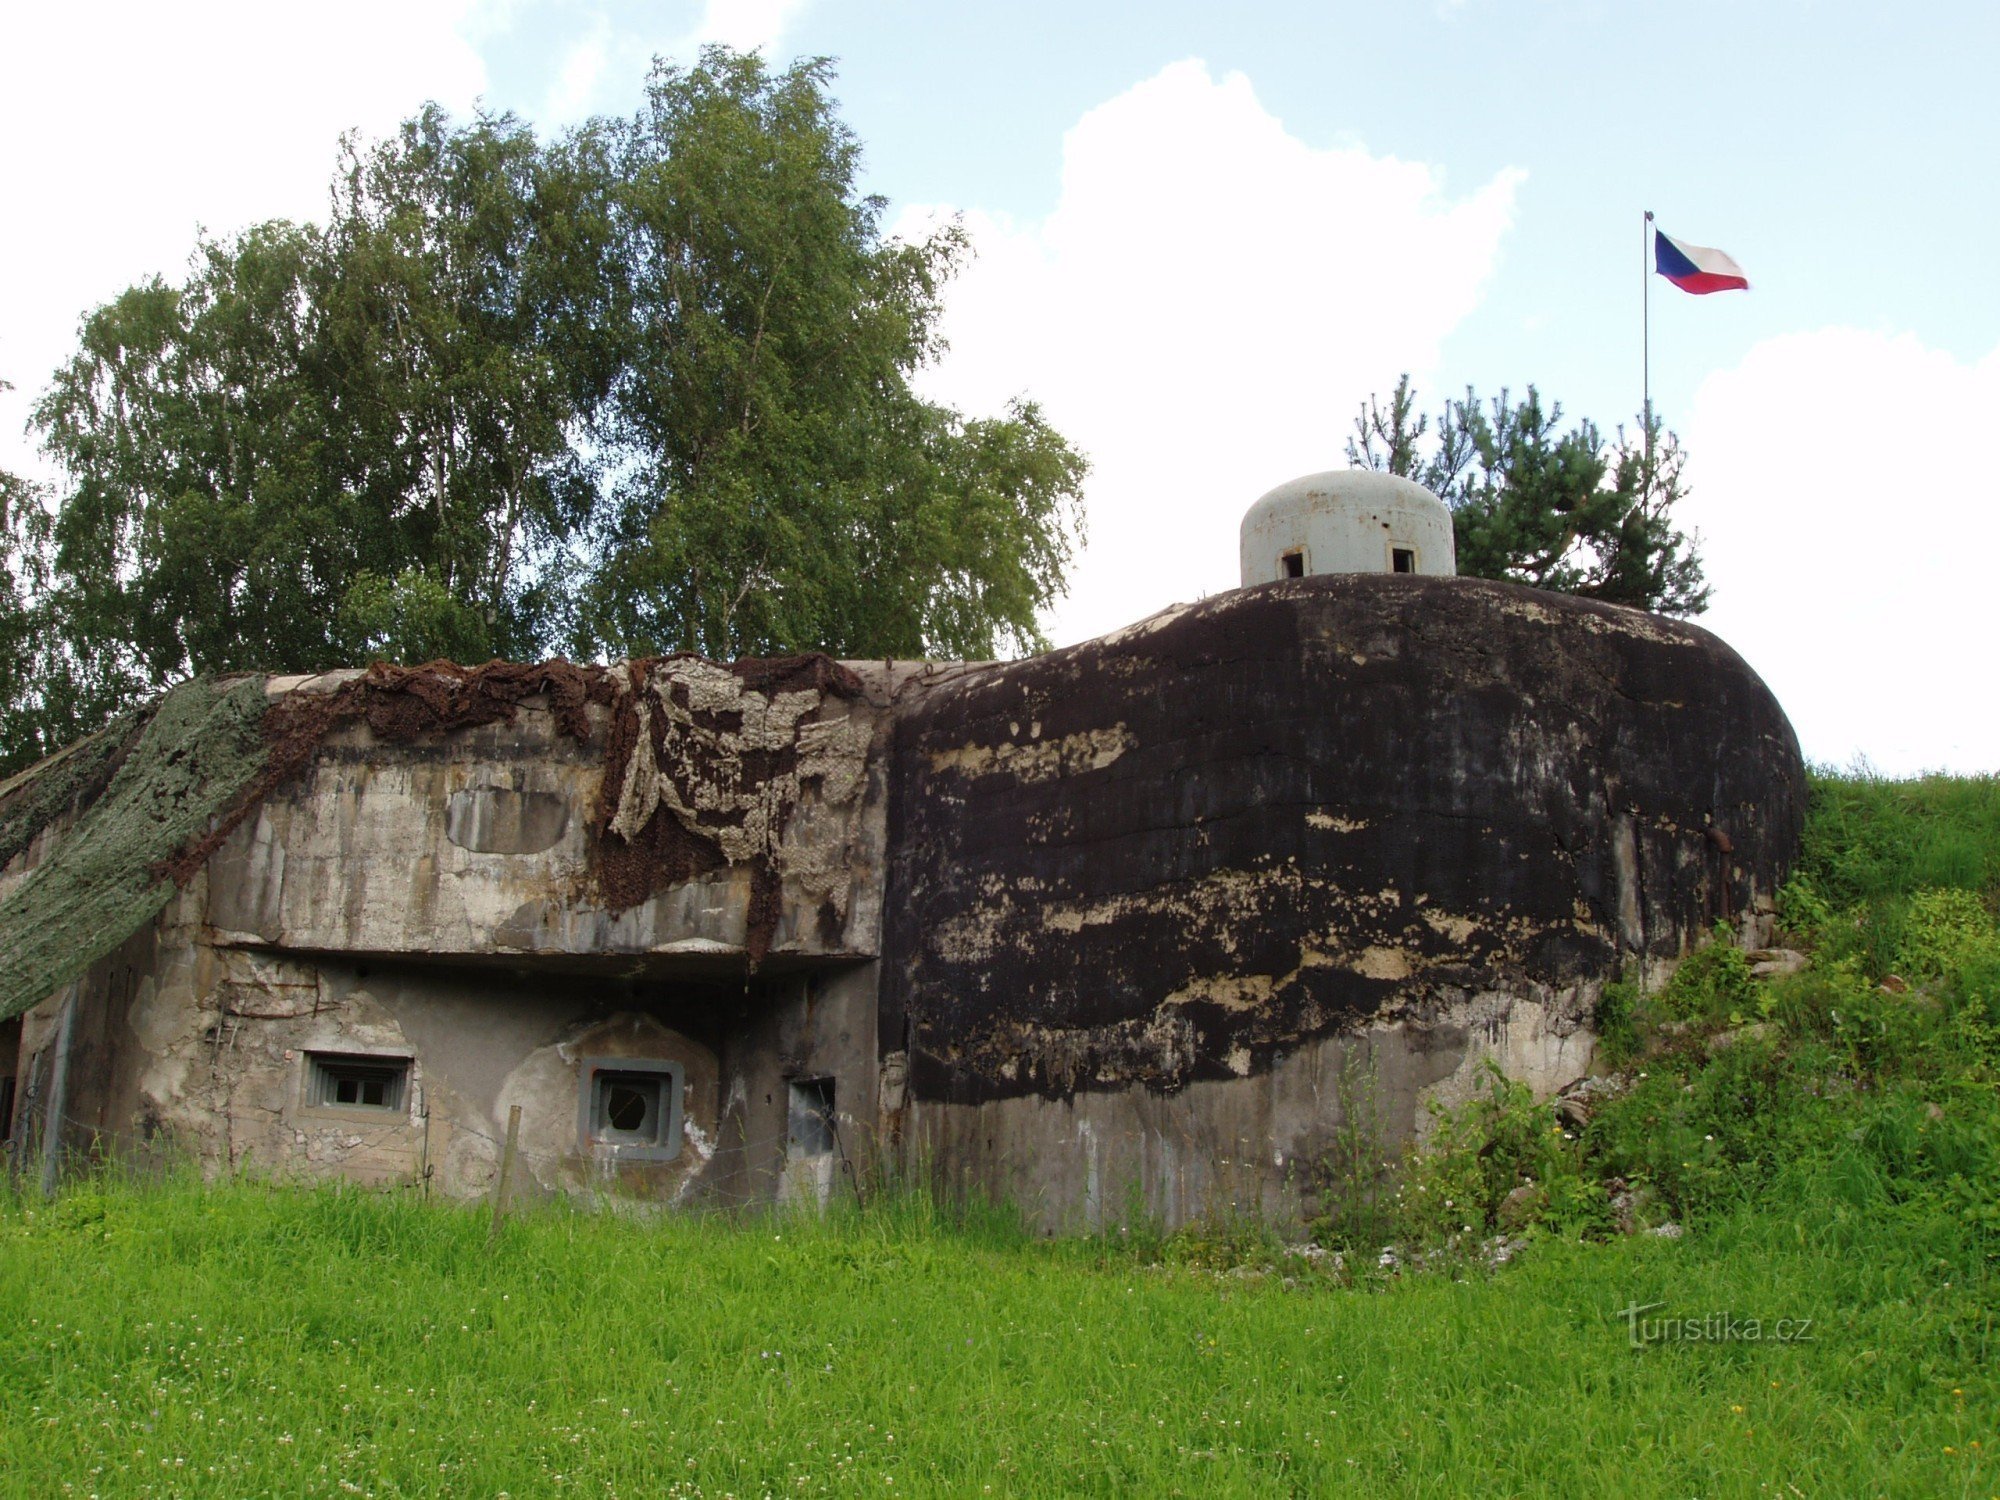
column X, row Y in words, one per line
column 1695, row 268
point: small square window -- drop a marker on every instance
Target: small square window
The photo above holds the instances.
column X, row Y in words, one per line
column 632, row 1105
column 1295, row 564
column 343, row 1080
column 1402, row 559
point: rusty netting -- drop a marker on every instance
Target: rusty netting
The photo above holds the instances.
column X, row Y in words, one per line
column 401, row 704
column 666, row 849
column 231, row 769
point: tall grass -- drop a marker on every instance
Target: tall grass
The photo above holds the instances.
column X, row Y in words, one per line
column 252, row 1340
column 1869, row 838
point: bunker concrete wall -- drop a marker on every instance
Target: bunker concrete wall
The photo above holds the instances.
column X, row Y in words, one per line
column 1144, row 883
column 440, row 899
column 1148, row 915
column 181, row 1048
column 763, row 808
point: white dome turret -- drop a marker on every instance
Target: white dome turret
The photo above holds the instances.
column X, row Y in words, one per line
column 1347, row 521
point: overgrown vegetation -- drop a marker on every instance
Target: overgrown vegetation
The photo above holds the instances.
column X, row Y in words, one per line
column 637, row 387
column 1869, row 1079
column 1826, row 1142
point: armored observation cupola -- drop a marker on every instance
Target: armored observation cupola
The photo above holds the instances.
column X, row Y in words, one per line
column 1347, row 521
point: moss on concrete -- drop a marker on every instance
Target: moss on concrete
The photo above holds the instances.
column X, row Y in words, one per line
column 203, row 745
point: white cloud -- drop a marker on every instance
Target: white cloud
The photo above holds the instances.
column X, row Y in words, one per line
column 1201, row 312
column 580, row 77
column 746, row 25
column 1850, row 526
column 129, row 125
column 599, row 72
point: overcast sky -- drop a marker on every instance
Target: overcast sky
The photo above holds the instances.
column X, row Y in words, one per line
column 1206, row 233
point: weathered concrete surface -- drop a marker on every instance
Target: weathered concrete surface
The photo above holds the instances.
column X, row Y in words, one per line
column 458, row 898
column 757, row 812
column 1169, row 863
column 1171, row 917
column 183, row 1047
column 1346, row 521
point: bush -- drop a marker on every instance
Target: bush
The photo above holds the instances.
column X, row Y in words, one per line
column 1943, row 930
column 1713, row 985
column 1498, row 1161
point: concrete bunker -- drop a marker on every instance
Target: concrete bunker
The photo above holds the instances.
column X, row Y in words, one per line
column 1141, row 919
column 1346, row 521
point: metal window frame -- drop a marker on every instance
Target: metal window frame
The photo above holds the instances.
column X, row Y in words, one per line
column 315, row 1066
column 594, row 1069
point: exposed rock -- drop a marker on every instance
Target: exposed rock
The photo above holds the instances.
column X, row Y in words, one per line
column 1520, row 1207
column 1776, row 963
column 1629, row 1204
column 1755, row 1031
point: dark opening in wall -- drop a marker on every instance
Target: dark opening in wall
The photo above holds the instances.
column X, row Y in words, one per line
column 1403, row 559
column 633, row 1104
column 810, row 1118
column 341, row 1080
column 1295, row 564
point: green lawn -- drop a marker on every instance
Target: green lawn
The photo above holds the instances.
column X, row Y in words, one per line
column 243, row 1341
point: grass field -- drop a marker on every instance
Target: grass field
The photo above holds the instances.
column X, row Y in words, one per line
column 1840, row 1167
column 259, row 1342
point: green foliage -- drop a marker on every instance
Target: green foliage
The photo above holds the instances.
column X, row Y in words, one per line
column 1500, row 1161
column 1869, row 838
column 642, row 387
column 1713, row 984
column 1617, row 1022
column 1532, row 503
column 1356, row 1180
column 1223, row 1242
column 783, row 486
column 1943, row 932
column 1749, row 1097
column 413, row 615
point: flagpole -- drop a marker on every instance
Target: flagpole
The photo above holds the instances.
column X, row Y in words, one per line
column 1646, row 336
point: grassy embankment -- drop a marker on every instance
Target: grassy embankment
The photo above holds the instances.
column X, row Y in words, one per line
column 1831, row 1149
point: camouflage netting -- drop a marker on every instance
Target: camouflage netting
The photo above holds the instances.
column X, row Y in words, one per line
column 106, row 878
column 705, row 766
column 704, row 763
column 64, row 783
